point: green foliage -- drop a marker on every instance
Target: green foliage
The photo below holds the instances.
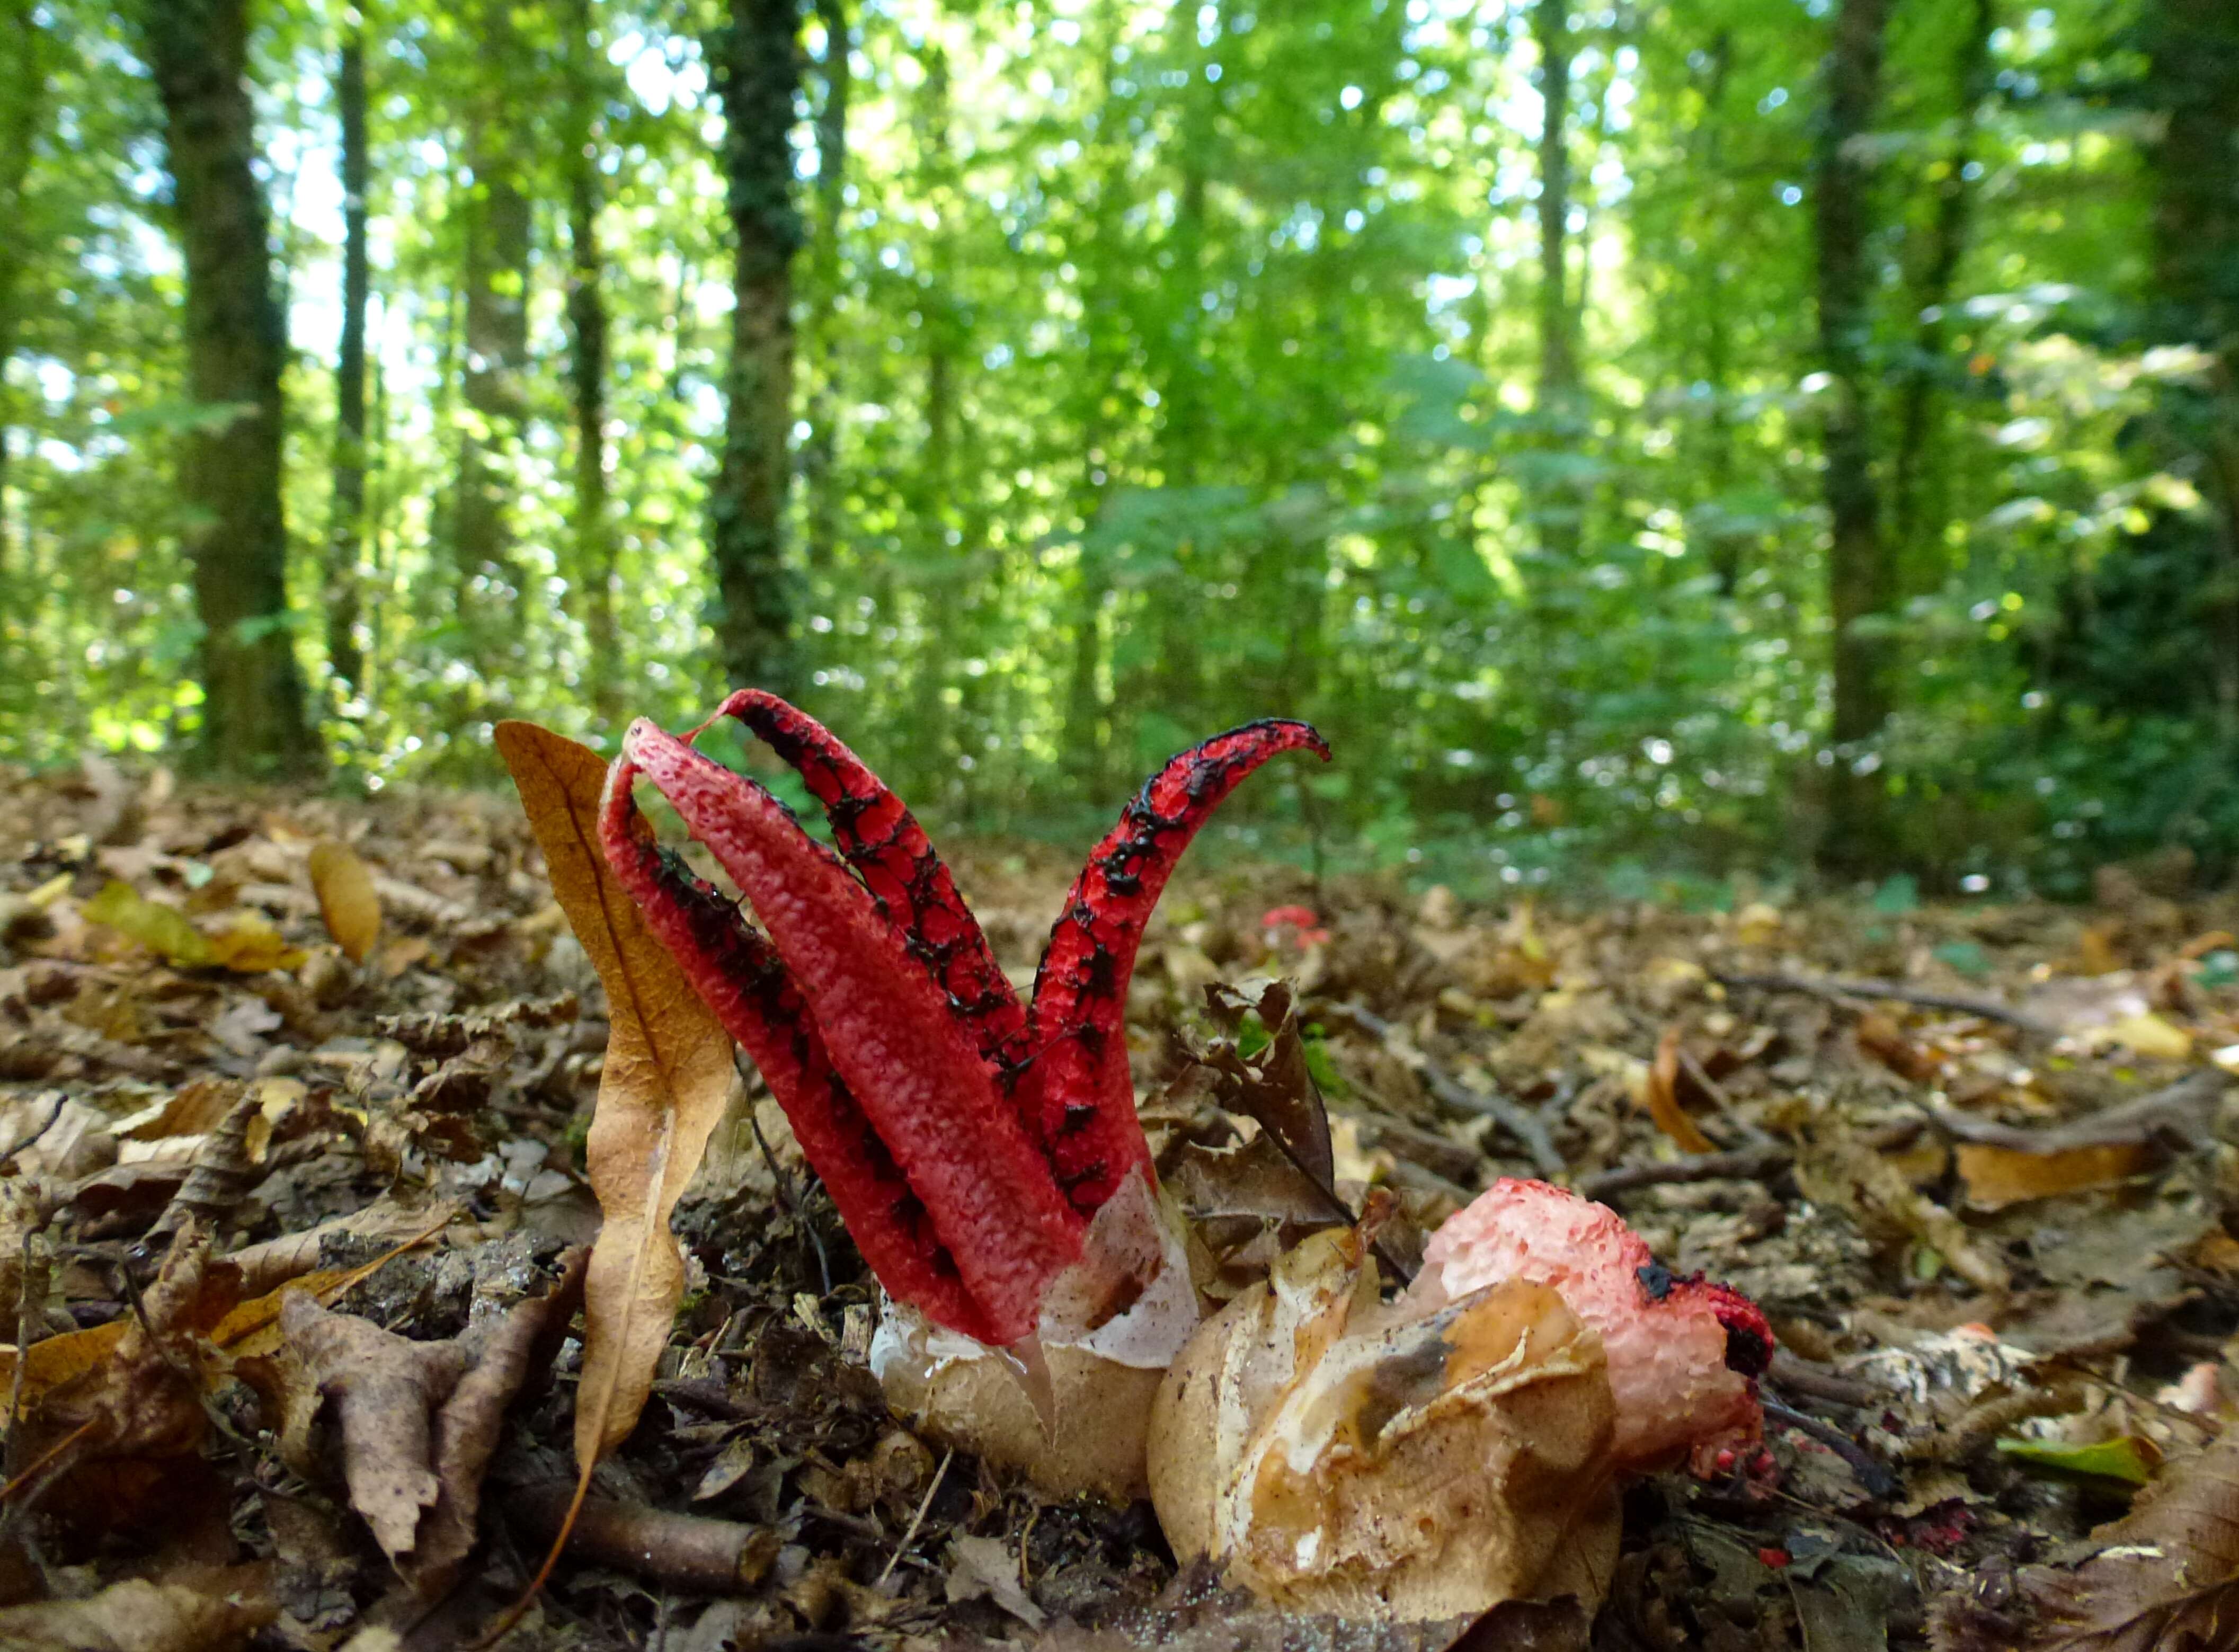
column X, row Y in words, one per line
column 1175, row 367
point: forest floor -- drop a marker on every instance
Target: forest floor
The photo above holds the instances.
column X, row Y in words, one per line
column 1973, row 1161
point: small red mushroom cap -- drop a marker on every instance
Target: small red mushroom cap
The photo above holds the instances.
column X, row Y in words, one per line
column 1683, row 1354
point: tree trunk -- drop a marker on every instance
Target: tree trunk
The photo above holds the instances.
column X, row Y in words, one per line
column 346, row 526
column 499, row 227
column 253, row 718
column 1713, row 266
column 592, row 575
column 2193, row 76
column 1918, row 405
column 1107, row 348
column 941, row 552
column 23, row 50
column 819, row 465
column 1860, row 572
column 757, row 77
column 1556, row 506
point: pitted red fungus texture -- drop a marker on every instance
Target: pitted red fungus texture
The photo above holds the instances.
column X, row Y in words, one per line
column 883, row 842
column 926, row 1089
column 1076, row 1084
column 965, row 1139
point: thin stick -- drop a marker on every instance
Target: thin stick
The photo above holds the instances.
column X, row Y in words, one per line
column 1526, row 1126
column 1741, row 1164
column 1896, row 992
column 917, row 1519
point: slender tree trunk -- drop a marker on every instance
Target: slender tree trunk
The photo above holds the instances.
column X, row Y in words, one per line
column 1558, row 507
column 1919, row 405
column 1861, row 574
column 757, row 77
column 1713, row 260
column 820, row 459
column 23, row 51
column 1175, row 679
column 346, row 528
column 253, row 718
column 2193, row 77
column 594, row 572
column 1107, row 346
column 499, row 227
column 942, row 548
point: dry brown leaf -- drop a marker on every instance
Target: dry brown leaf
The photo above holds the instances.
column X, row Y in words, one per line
column 2166, row 1575
column 386, row 1390
column 667, row 1080
column 348, row 900
column 1662, row 1097
column 419, row 1420
column 137, row 1616
column 1997, row 1177
column 1272, row 1087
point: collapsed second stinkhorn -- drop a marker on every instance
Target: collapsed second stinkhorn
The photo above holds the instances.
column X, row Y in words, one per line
column 969, row 1141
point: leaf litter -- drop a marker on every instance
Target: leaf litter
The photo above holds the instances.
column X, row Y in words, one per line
column 1976, row 1162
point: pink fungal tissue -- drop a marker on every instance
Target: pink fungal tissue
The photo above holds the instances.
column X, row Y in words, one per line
column 1683, row 1354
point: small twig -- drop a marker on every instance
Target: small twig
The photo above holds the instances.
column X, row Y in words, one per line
column 1800, row 1376
column 1741, row 1164
column 917, row 1519
column 1896, row 992
column 53, row 1113
column 1874, row 1474
column 1526, row 1126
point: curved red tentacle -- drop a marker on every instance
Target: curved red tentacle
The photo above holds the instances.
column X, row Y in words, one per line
column 882, row 840
column 745, row 982
column 1076, row 1084
column 908, row 1059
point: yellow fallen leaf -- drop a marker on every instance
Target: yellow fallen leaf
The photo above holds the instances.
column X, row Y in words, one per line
column 348, row 900
column 164, row 931
column 1997, row 1176
column 247, row 943
column 667, row 1078
column 1662, row 1097
column 2147, row 1035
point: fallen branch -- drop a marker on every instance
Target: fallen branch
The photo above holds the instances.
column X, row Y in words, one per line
column 1740, row 1164
column 1896, row 992
column 691, row 1552
column 1520, row 1122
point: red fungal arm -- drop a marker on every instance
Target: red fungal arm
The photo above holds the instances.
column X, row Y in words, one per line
column 882, row 840
column 1077, row 1084
column 745, row 984
column 889, row 1033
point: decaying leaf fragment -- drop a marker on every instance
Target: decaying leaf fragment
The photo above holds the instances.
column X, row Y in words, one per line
column 136, row 1615
column 419, row 1422
column 2165, row 1575
column 668, row 1076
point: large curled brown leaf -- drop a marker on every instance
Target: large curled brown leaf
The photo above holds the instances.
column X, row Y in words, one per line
column 419, row 1422
column 667, row 1078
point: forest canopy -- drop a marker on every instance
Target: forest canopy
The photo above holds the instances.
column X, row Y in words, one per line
column 1647, row 440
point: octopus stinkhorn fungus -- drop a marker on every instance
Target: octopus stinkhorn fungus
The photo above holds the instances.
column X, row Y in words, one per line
column 1461, row 1444
column 985, row 1154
